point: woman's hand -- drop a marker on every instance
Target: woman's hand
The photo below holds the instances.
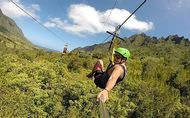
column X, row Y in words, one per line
column 103, row 95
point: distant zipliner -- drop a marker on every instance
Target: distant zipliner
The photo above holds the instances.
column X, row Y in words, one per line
column 65, row 51
column 116, row 70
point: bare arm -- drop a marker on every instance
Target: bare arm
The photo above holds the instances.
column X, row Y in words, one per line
column 114, row 77
column 111, row 83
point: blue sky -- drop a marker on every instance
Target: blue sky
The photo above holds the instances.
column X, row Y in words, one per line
column 80, row 23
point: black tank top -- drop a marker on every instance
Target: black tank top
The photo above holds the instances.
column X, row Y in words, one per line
column 107, row 76
column 102, row 81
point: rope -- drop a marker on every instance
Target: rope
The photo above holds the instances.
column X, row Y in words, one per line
column 110, row 13
column 114, row 43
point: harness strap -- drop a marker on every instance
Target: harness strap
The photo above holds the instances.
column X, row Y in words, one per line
column 109, row 66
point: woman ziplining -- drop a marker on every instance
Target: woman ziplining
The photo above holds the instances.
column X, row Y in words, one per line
column 114, row 74
column 116, row 71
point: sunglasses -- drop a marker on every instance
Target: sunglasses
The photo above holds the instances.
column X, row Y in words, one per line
column 117, row 56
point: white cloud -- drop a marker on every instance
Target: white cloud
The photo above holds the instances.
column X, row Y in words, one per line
column 177, row 4
column 180, row 3
column 11, row 10
column 85, row 19
column 119, row 15
column 49, row 24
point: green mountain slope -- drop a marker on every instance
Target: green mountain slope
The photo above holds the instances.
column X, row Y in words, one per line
column 8, row 26
column 138, row 41
column 11, row 35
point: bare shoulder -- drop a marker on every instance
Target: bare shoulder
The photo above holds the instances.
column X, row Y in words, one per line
column 118, row 67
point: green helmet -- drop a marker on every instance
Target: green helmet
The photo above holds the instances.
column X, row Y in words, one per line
column 124, row 52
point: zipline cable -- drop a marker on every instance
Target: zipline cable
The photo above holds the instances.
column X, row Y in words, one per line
column 108, row 18
column 130, row 15
column 110, row 13
column 111, row 10
column 38, row 21
column 119, row 26
column 115, row 34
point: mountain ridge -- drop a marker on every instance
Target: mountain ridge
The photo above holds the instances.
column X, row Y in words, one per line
column 138, row 40
column 11, row 36
column 8, row 26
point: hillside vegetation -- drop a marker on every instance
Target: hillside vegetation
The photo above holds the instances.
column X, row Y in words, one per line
column 8, row 26
column 11, row 35
column 38, row 83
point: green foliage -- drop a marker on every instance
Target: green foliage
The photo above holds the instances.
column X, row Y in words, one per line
column 153, row 99
column 38, row 83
